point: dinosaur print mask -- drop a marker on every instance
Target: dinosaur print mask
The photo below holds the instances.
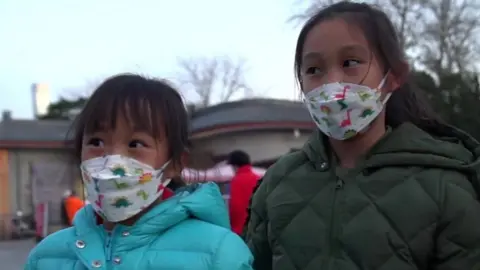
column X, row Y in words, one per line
column 343, row 110
column 120, row 187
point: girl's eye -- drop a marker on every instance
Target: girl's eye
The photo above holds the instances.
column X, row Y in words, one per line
column 136, row 144
column 350, row 63
column 95, row 142
column 312, row 70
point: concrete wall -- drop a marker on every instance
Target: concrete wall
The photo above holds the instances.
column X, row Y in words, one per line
column 260, row 145
column 20, row 173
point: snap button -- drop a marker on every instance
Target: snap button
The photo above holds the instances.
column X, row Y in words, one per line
column 125, row 234
column 323, row 166
column 97, row 264
column 80, row 244
column 117, row 260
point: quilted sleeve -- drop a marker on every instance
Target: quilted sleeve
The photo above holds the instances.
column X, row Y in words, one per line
column 249, row 209
column 458, row 235
column 233, row 254
column 256, row 235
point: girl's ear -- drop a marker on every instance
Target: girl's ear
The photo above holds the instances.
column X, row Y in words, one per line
column 174, row 169
column 169, row 172
column 397, row 79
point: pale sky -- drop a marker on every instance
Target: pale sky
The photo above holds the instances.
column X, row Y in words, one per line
column 70, row 44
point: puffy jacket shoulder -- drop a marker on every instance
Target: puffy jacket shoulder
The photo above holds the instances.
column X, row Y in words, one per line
column 53, row 251
column 287, row 165
column 436, row 181
column 194, row 232
column 291, row 166
column 223, row 250
column 462, row 180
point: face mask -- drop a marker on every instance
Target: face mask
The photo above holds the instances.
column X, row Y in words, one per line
column 343, row 110
column 119, row 187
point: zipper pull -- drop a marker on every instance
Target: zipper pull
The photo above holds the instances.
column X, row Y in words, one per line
column 340, row 183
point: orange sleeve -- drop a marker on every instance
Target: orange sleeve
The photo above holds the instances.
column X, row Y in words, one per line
column 72, row 205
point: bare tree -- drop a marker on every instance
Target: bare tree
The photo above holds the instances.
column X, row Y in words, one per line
column 450, row 39
column 405, row 15
column 214, row 79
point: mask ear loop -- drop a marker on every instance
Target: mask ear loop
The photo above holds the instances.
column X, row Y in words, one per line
column 381, row 85
column 161, row 171
column 383, row 81
column 164, row 166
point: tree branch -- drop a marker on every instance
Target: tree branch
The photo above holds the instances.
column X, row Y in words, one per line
column 218, row 78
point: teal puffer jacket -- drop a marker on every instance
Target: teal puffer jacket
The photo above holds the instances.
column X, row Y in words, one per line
column 188, row 231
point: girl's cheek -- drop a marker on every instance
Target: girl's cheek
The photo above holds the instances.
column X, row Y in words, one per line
column 89, row 153
column 309, row 86
column 311, row 82
column 144, row 157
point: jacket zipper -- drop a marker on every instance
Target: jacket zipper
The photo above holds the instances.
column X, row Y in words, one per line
column 108, row 247
column 333, row 235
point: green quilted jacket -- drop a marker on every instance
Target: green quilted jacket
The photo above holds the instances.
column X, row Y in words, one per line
column 410, row 204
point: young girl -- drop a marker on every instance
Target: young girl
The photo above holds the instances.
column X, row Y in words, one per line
column 384, row 184
column 131, row 138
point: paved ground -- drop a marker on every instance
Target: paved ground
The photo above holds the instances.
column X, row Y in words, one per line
column 14, row 253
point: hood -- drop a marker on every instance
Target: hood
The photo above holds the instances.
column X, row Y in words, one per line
column 199, row 201
column 408, row 145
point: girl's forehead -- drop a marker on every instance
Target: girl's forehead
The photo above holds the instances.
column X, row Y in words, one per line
column 332, row 36
column 124, row 122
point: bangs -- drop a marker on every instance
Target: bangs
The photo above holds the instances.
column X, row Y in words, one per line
column 136, row 111
column 141, row 107
column 148, row 105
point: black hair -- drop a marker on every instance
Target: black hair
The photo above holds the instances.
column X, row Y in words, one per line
column 149, row 104
column 408, row 103
column 238, row 158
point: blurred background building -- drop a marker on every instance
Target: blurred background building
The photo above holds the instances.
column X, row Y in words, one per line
column 37, row 165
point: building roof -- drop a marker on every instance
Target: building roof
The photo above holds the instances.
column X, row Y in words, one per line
column 34, row 130
column 248, row 112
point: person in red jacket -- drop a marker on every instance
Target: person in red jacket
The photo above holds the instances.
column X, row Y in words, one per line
column 241, row 189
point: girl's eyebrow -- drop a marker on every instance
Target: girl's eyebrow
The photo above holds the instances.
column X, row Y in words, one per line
column 356, row 48
column 313, row 56
column 316, row 55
